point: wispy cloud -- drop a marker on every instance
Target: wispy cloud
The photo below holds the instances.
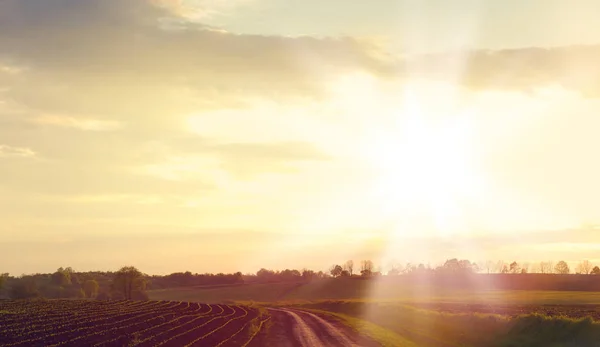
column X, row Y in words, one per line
column 8, row 151
column 200, row 9
column 524, row 69
column 78, row 123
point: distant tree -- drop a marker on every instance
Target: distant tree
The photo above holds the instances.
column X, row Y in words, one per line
column 545, row 267
column 525, row 268
column 308, row 275
column 514, row 267
column 504, row 269
column 81, row 294
column 3, row 278
column 61, row 277
column 345, row 273
column 366, row 268
column 584, row 267
column 455, row 266
column 336, row 271
column 25, row 288
column 499, row 266
column 595, row 271
column 489, row 266
column 129, row 281
column 561, row 268
column 410, row 268
column 90, row 288
column 349, row 266
column 265, row 275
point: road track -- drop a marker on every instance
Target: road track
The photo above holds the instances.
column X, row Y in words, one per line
column 306, row 329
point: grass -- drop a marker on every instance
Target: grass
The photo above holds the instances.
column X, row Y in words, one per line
column 434, row 329
column 375, row 332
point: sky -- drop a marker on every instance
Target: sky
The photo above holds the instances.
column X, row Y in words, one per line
column 216, row 135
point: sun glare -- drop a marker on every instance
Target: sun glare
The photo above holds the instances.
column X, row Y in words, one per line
column 423, row 158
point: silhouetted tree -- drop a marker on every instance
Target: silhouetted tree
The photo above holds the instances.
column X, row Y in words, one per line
column 514, row 267
column 366, row 267
column 308, row 275
column 595, row 271
column 500, row 266
column 61, row 278
column 489, row 266
column 455, row 266
column 336, row 271
column 562, row 268
column 90, row 288
column 584, row 267
column 3, row 278
column 349, row 266
column 25, row 288
column 129, row 281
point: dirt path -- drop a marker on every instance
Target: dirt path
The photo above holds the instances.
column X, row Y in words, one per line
column 297, row 328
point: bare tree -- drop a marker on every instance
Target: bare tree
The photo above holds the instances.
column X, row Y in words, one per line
column 396, row 268
column 562, row 268
column 349, row 266
column 585, row 267
column 546, row 267
column 489, row 266
column 525, row 268
column 499, row 266
column 366, row 267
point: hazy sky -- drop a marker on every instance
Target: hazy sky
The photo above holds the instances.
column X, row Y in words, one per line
column 225, row 135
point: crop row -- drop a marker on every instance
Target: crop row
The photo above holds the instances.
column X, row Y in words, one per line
column 119, row 323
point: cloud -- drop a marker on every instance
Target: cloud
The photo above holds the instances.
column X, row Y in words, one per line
column 524, row 69
column 242, row 159
column 64, row 68
column 73, row 122
column 8, row 151
column 134, row 68
column 200, row 9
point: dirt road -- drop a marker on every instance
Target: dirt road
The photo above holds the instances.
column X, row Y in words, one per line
column 297, row 328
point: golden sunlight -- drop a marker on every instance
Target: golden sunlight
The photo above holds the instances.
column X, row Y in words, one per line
column 424, row 159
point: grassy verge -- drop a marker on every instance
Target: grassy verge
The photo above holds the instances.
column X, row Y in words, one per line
column 428, row 328
column 373, row 331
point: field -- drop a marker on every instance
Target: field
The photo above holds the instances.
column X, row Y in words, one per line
column 281, row 314
column 126, row 323
column 349, row 289
column 430, row 318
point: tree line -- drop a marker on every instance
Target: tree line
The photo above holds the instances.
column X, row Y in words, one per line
column 126, row 283
column 130, row 283
column 367, row 268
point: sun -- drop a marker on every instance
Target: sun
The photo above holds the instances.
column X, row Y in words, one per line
column 422, row 153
